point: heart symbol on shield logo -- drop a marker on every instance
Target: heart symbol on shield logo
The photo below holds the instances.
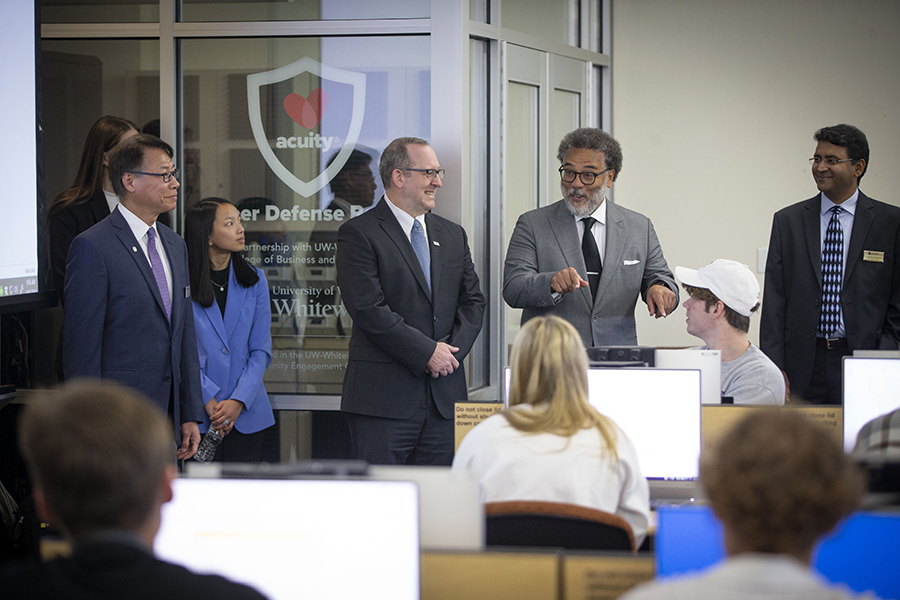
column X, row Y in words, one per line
column 306, row 112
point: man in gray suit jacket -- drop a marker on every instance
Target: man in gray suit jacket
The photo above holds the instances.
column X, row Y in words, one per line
column 797, row 332
column 128, row 304
column 584, row 259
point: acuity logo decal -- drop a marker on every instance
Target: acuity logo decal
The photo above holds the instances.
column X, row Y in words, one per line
column 308, row 112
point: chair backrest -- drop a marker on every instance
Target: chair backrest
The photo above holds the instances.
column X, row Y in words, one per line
column 555, row 525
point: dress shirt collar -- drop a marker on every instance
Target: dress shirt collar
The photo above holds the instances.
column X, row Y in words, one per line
column 138, row 227
column 599, row 213
column 405, row 219
column 849, row 204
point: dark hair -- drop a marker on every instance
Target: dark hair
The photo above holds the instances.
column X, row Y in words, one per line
column 198, row 226
column 356, row 161
column 732, row 317
column 128, row 157
column 591, row 138
column 98, row 452
column 849, row 137
column 396, row 156
column 102, row 137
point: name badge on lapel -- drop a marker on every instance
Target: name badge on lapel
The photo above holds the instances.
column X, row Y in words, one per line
column 187, row 291
column 873, row 256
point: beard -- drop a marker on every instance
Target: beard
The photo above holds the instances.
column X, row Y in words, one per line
column 584, row 209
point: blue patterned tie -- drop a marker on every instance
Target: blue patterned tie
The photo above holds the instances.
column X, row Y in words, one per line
column 420, row 245
column 832, row 259
column 158, row 272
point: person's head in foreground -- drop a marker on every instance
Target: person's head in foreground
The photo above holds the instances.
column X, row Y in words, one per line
column 101, row 457
column 549, row 372
column 778, row 483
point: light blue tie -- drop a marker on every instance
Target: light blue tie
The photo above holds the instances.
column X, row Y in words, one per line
column 420, row 245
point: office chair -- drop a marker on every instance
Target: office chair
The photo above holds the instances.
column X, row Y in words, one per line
column 556, row 525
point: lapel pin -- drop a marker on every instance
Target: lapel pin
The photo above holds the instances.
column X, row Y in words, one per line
column 133, row 249
column 435, row 242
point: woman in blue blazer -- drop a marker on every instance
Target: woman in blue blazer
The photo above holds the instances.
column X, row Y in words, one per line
column 233, row 317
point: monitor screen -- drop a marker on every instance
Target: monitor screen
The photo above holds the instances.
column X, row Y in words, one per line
column 297, row 538
column 659, row 409
column 709, row 362
column 870, row 390
column 19, row 114
column 861, row 553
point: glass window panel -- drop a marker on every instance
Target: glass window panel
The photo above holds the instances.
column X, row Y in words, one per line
column 554, row 20
column 84, row 80
column 566, row 118
column 99, row 11
column 523, row 178
column 303, row 10
column 479, row 170
column 304, row 119
column 478, row 10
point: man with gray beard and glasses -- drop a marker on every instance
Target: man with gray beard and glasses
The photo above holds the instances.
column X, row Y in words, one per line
column 584, row 259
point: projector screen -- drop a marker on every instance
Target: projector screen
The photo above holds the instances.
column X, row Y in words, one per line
column 297, row 538
column 871, row 389
column 19, row 101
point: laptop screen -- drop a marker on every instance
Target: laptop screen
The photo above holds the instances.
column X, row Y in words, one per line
column 870, row 390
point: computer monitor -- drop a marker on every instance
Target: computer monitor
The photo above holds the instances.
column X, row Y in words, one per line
column 659, row 409
column 862, row 553
column 709, row 362
column 870, row 390
column 297, row 538
column 450, row 509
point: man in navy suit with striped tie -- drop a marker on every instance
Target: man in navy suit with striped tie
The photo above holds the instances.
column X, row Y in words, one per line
column 833, row 272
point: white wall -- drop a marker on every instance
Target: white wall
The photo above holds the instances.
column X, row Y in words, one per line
column 715, row 103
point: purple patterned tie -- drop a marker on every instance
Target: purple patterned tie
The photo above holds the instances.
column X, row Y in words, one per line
column 158, row 272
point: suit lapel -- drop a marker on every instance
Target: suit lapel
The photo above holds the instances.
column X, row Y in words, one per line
column 862, row 222
column 132, row 247
column 435, row 235
column 392, row 228
column 615, row 246
column 566, row 233
column 812, row 222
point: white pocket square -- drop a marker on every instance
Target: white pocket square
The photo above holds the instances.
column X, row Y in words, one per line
column 628, row 263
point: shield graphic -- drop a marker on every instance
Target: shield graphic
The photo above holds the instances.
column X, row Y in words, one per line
column 304, row 65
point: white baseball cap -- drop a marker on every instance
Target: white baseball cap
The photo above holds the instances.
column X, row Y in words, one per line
column 732, row 282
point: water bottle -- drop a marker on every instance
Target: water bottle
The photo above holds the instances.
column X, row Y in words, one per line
column 207, row 449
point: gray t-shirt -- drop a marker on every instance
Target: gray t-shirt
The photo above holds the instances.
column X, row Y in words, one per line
column 752, row 378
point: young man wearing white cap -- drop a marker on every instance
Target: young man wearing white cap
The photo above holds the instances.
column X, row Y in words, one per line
column 724, row 294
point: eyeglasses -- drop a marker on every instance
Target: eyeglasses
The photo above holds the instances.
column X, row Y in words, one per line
column 430, row 174
column 830, row 161
column 166, row 177
column 587, row 177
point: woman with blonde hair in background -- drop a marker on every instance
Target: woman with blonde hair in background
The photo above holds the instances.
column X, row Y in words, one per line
column 551, row 444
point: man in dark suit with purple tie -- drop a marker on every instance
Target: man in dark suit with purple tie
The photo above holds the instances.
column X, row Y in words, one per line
column 128, row 313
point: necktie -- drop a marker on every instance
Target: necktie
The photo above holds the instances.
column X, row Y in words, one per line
column 158, row 272
column 420, row 245
column 591, row 255
column 832, row 258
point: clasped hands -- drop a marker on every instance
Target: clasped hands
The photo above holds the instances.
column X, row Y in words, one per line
column 442, row 361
